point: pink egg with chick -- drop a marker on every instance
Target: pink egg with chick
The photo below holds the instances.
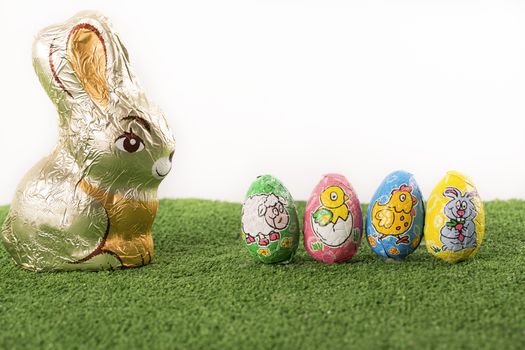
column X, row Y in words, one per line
column 333, row 222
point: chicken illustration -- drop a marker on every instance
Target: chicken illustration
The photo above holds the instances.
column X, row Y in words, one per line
column 333, row 206
column 325, row 220
column 395, row 217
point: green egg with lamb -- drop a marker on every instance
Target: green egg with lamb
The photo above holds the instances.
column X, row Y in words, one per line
column 269, row 221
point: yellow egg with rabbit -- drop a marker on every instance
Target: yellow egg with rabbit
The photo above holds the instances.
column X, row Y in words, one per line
column 455, row 219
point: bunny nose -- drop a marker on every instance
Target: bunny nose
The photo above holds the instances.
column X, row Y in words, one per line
column 461, row 212
column 161, row 167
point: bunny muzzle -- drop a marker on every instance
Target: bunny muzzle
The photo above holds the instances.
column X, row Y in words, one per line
column 162, row 167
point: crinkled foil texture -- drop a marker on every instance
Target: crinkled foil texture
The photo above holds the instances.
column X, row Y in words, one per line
column 91, row 203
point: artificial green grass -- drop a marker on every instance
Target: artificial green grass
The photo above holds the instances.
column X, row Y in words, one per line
column 205, row 291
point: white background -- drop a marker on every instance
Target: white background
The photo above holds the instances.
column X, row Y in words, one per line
column 298, row 89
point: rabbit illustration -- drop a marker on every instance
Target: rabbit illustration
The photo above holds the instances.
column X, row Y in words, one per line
column 460, row 230
column 91, row 204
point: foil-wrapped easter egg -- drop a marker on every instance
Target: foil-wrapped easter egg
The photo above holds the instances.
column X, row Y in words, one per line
column 333, row 222
column 395, row 217
column 455, row 221
column 269, row 221
column 91, row 203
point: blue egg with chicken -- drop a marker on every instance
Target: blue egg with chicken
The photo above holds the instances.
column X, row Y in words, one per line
column 395, row 217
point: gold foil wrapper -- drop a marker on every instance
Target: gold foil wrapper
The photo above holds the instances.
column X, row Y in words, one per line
column 91, row 203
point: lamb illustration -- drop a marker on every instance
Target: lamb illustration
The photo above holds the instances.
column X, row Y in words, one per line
column 460, row 231
column 263, row 216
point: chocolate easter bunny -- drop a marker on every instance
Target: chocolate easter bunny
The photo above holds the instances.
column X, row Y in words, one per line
column 91, row 203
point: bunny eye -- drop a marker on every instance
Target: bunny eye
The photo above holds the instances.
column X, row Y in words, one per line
column 458, row 205
column 129, row 142
column 463, row 205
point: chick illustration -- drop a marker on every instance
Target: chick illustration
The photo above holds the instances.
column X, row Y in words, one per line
column 333, row 206
column 395, row 217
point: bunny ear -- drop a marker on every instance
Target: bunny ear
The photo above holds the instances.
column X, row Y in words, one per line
column 472, row 194
column 451, row 192
column 86, row 51
column 81, row 64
